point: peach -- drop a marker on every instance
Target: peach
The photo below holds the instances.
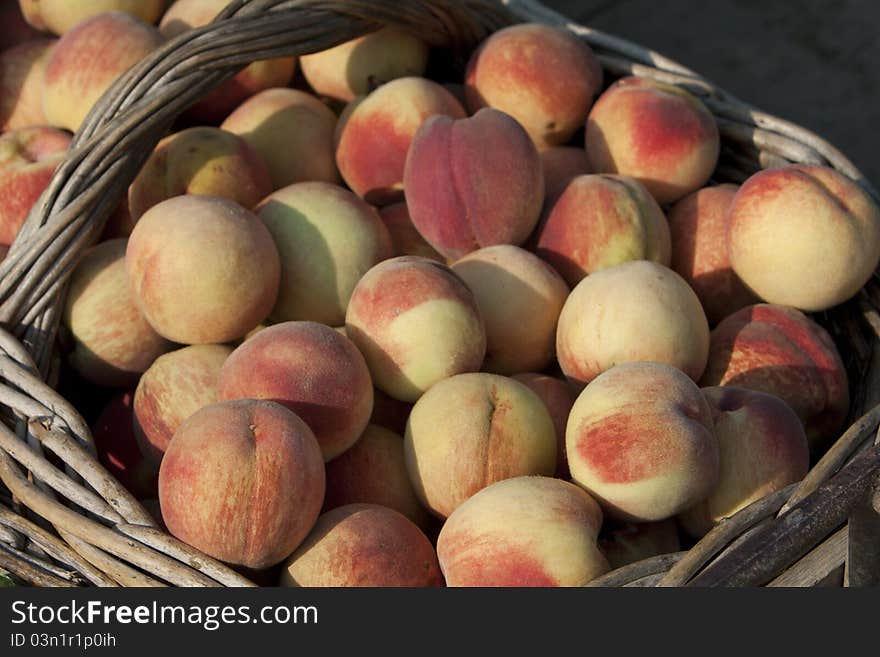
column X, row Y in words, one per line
column 375, row 135
column 374, row 471
column 88, row 59
column 389, row 412
column 314, row 371
column 358, row 66
column 200, row 160
column 519, row 297
column 28, row 159
column 780, row 351
column 560, row 164
column 405, row 239
column 635, row 311
column 698, row 225
column 558, row 397
column 762, row 448
column 242, row 481
column 658, row 133
column 523, row 531
column 416, row 323
column 114, row 343
column 60, row 16
column 471, row 430
column 473, row 182
column 364, row 545
column 599, row 221
column 184, row 15
column 544, row 76
column 640, row 440
column 328, row 239
column 21, row 80
column 803, row 236
column 624, row 543
column 305, row 126
column 174, row 387
column 203, row 269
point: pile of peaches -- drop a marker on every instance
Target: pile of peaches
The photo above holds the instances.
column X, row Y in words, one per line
column 361, row 321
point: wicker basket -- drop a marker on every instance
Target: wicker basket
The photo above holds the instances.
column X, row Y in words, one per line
column 65, row 521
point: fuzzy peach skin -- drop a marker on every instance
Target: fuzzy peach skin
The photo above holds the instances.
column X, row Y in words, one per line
column 59, row 16
column 803, row 236
column 405, row 239
column 328, row 239
column 114, row 343
column 471, row 430
column 243, row 481
column 698, row 225
column 358, row 66
column 640, row 439
column 544, row 76
column 300, row 121
column 599, row 221
column 88, row 59
column 203, row 269
column 28, row 159
column 473, row 182
column 635, row 311
column 375, row 135
column 200, row 160
column 519, row 297
column 363, row 545
column 560, row 164
column 184, row 15
column 523, row 531
column 558, row 397
column 22, row 68
column 657, row 133
column 374, row 471
column 763, row 448
column 174, row 387
column 313, row 370
column 416, row 323
column 780, row 351
column 624, row 543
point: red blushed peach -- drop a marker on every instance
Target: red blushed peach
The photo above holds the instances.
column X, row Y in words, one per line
column 28, row 159
column 471, row 430
column 59, row 16
column 599, row 221
column 203, row 269
column 243, row 481
column 118, row 449
column 88, row 59
column 364, row 545
column 113, row 342
column 558, row 397
column 358, row 66
column 405, row 239
column 560, row 164
column 543, row 76
column 305, row 126
column 635, row 311
column 473, row 182
column 416, row 323
column 698, row 225
column 374, row 471
column 640, row 440
column 803, row 236
column 175, row 386
column 375, row 136
column 763, row 448
column 781, row 351
column 314, row 371
column 523, row 531
column 200, row 160
column 624, row 543
column 21, row 84
column 657, row 133
column 520, row 298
